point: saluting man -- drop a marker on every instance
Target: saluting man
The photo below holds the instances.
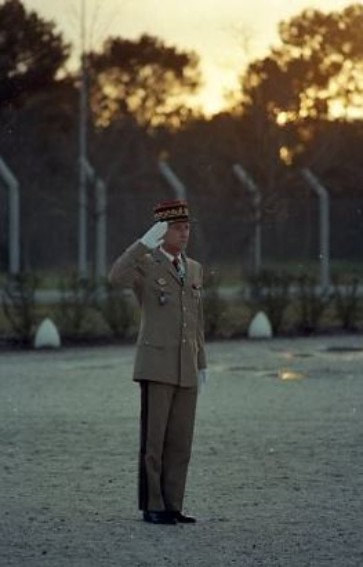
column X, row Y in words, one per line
column 170, row 359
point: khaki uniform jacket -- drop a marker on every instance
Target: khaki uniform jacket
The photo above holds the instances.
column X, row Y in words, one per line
column 170, row 344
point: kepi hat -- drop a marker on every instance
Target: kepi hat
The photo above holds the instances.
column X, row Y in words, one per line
column 171, row 211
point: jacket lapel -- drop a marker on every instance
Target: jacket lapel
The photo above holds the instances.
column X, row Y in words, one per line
column 186, row 267
column 160, row 258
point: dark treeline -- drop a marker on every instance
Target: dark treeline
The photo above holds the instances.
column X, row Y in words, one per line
column 278, row 122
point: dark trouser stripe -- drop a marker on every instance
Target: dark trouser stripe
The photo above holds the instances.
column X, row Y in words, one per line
column 143, row 484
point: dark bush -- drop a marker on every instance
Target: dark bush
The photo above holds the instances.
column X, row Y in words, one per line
column 19, row 305
column 270, row 292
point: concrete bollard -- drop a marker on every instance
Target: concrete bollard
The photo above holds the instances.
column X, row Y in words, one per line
column 260, row 327
column 47, row 335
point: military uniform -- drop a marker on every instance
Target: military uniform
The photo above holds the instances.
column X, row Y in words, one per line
column 170, row 352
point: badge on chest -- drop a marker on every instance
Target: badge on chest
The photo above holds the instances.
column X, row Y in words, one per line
column 163, row 299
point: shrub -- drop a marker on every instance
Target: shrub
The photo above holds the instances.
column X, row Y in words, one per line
column 19, row 305
column 346, row 302
column 76, row 298
column 270, row 292
column 311, row 303
column 213, row 304
column 117, row 311
column 234, row 320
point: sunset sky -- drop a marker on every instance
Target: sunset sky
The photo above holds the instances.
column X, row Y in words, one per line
column 224, row 33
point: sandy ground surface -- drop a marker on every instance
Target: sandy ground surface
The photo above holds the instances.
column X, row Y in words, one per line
column 276, row 477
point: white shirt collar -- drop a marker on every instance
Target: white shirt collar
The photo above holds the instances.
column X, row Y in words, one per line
column 170, row 256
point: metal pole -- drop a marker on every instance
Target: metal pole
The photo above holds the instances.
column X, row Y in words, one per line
column 324, row 252
column 251, row 186
column 14, row 216
column 100, row 213
column 101, row 229
column 82, row 203
column 174, row 182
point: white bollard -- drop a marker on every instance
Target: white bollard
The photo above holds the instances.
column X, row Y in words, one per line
column 47, row 335
column 260, row 327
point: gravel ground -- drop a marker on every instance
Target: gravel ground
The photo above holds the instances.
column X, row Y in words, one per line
column 276, row 477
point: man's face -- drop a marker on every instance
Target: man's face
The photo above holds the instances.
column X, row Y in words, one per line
column 177, row 236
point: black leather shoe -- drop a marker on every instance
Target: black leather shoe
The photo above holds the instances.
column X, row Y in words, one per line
column 159, row 517
column 183, row 518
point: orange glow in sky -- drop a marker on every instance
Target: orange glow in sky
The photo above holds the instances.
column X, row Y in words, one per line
column 226, row 34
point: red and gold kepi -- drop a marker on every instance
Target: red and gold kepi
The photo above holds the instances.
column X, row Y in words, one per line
column 171, row 211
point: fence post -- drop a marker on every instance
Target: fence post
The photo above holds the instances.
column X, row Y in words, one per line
column 101, row 229
column 14, row 217
column 101, row 221
column 324, row 245
column 251, row 186
column 174, row 182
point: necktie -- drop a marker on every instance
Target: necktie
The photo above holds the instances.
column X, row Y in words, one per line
column 177, row 265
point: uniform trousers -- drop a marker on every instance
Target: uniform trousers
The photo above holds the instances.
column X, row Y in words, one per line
column 166, row 432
